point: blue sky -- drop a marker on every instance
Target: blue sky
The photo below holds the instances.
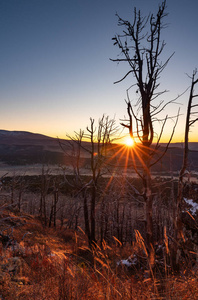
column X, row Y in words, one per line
column 55, row 71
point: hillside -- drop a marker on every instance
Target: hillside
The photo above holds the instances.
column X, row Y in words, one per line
column 42, row 263
column 26, row 148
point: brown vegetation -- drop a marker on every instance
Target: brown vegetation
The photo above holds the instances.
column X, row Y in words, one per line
column 38, row 262
column 55, row 264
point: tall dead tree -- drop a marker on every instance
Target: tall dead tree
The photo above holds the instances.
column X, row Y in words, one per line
column 190, row 121
column 141, row 47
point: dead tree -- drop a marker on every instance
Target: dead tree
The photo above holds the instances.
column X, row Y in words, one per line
column 99, row 137
column 55, row 199
column 78, row 185
column 17, row 187
column 190, row 121
column 45, row 181
column 141, row 47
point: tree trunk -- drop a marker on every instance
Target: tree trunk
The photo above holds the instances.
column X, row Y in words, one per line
column 92, row 215
column 51, row 214
column 148, row 197
column 86, row 216
column 55, row 205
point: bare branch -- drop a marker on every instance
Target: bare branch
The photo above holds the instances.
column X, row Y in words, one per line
column 123, row 77
column 161, row 132
column 192, row 122
column 167, row 146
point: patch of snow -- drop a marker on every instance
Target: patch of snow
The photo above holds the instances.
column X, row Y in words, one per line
column 125, row 262
column 128, row 262
column 52, row 254
column 194, row 205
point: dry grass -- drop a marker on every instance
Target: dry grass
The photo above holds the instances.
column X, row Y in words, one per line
column 51, row 264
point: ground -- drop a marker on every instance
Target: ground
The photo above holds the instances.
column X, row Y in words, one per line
column 43, row 263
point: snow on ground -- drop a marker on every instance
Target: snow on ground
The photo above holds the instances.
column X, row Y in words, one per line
column 128, row 262
column 194, row 205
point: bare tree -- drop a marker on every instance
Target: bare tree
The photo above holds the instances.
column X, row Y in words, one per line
column 53, row 212
column 99, row 137
column 190, row 121
column 45, row 181
column 141, row 47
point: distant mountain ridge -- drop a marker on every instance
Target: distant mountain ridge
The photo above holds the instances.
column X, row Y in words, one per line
column 22, row 134
column 19, row 136
column 22, row 147
column 15, row 132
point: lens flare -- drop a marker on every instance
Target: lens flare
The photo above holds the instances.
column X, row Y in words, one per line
column 129, row 142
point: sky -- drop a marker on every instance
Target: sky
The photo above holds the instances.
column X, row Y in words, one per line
column 55, row 68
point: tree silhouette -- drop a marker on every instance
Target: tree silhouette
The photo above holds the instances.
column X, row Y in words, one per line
column 99, row 136
column 141, row 47
column 191, row 118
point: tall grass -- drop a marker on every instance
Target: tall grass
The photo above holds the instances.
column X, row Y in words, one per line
column 84, row 274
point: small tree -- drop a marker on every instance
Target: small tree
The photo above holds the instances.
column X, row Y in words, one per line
column 99, row 138
column 141, row 47
column 45, row 182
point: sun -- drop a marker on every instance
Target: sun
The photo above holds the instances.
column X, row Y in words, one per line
column 129, row 142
